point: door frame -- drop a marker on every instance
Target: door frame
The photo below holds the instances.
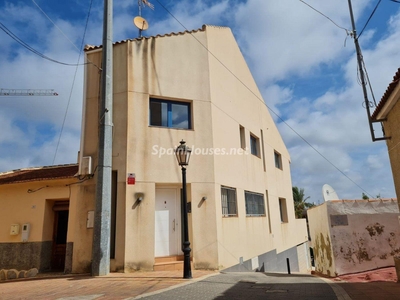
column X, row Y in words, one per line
column 178, row 220
column 58, row 206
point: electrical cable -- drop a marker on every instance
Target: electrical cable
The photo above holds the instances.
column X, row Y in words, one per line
column 347, row 31
column 373, row 12
column 73, row 81
column 55, row 25
column 25, row 45
column 262, row 101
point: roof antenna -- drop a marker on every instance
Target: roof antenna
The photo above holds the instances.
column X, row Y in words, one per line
column 140, row 22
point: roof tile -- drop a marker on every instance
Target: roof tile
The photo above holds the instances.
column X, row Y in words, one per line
column 39, row 173
column 387, row 94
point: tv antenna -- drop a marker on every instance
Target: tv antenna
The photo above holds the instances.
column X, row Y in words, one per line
column 139, row 21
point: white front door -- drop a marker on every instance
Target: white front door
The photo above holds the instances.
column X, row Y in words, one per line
column 168, row 222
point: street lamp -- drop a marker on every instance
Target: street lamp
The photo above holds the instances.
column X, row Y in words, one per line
column 182, row 153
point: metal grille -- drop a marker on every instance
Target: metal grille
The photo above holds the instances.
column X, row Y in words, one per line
column 254, row 204
column 228, row 200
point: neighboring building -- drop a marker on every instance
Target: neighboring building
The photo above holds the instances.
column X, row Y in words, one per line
column 195, row 86
column 388, row 110
column 34, row 212
column 350, row 236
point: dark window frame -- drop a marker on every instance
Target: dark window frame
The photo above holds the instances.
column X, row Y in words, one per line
column 283, row 210
column 170, row 104
column 278, row 160
column 254, row 145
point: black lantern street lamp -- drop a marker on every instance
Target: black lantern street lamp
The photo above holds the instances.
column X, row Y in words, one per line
column 182, row 153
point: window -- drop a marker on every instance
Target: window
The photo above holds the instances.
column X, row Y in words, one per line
column 278, row 160
column 228, row 201
column 283, row 210
column 254, row 145
column 170, row 114
column 254, row 204
column 242, row 137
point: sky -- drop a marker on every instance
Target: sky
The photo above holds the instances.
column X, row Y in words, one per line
column 303, row 62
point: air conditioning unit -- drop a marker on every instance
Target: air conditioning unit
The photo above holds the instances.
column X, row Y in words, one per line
column 85, row 166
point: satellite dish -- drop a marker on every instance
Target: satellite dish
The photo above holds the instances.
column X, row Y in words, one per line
column 329, row 193
column 141, row 23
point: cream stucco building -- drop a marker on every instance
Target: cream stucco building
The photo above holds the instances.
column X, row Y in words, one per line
column 388, row 111
column 194, row 86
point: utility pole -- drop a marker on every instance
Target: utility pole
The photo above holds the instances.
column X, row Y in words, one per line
column 102, row 218
column 362, row 77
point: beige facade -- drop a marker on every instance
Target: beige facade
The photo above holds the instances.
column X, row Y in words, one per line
column 350, row 236
column 205, row 71
column 193, row 86
column 388, row 111
column 35, row 204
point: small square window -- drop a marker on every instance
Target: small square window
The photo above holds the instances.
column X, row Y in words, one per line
column 254, row 204
column 254, row 145
column 278, row 160
column 170, row 114
column 228, row 201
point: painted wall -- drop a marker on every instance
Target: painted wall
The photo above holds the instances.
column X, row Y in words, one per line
column 178, row 67
column 321, row 242
column 352, row 236
column 392, row 130
column 31, row 203
column 371, row 237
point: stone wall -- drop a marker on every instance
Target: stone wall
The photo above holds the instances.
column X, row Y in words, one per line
column 25, row 256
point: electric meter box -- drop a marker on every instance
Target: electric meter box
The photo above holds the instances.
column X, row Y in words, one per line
column 26, row 228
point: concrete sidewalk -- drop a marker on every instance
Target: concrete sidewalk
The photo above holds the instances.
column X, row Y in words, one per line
column 113, row 286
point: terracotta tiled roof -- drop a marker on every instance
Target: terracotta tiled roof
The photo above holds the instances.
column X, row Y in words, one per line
column 39, row 173
column 387, row 94
column 203, row 28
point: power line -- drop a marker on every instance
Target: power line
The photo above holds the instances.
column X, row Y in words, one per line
column 262, row 101
column 373, row 12
column 55, row 25
column 347, row 32
column 73, row 82
column 25, row 45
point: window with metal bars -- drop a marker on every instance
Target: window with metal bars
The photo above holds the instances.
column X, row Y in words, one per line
column 228, row 201
column 254, row 204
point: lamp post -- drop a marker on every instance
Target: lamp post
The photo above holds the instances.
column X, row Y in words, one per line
column 182, row 153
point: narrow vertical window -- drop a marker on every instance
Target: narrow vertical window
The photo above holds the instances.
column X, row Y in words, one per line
column 254, row 145
column 278, row 160
column 283, row 210
column 242, row 137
